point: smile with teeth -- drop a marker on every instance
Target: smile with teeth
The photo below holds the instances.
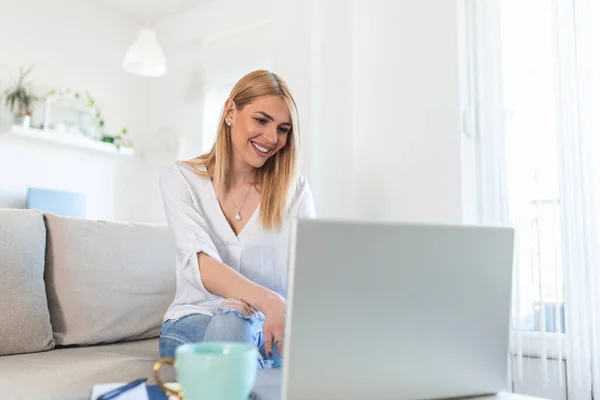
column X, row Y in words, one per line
column 260, row 148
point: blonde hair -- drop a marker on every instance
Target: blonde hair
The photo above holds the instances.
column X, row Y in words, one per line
column 279, row 173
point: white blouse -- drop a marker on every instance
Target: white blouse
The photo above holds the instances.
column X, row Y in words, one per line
column 198, row 224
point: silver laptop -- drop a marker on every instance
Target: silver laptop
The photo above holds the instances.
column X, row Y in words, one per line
column 394, row 311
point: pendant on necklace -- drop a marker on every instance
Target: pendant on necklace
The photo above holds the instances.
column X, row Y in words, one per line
column 238, row 216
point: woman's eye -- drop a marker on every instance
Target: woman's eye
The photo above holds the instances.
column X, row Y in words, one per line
column 283, row 130
column 261, row 121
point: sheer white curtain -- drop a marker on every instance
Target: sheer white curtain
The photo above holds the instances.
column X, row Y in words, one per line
column 534, row 69
column 586, row 16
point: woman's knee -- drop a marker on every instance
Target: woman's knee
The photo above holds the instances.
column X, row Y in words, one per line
column 238, row 305
column 188, row 329
column 235, row 321
column 168, row 345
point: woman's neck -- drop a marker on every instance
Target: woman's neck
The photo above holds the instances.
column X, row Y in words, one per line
column 240, row 173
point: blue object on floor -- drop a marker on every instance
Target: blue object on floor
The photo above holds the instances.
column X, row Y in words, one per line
column 56, row 202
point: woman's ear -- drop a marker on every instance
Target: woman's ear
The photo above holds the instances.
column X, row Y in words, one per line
column 230, row 109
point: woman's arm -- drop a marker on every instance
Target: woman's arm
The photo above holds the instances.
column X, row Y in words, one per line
column 220, row 279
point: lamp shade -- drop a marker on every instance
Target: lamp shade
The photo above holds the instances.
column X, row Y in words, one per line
column 145, row 57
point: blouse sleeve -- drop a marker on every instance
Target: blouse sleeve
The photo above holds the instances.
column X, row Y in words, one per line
column 187, row 225
column 306, row 208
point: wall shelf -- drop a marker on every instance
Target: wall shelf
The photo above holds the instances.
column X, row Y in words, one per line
column 67, row 140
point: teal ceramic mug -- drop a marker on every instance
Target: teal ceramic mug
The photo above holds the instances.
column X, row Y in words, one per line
column 212, row 371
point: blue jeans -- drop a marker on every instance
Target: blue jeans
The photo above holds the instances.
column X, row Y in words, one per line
column 226, row 325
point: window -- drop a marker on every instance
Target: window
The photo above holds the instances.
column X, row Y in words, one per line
column 530, row 99
column 534, row 78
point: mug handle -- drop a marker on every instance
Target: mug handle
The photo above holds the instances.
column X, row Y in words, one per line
column 156, row 368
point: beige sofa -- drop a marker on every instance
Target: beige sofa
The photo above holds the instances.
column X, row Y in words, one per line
column 81, row 302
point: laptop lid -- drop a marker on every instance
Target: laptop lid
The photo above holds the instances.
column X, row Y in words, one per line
column 403, row 311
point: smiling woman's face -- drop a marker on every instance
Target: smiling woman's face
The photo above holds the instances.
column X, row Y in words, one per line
column 260, row 129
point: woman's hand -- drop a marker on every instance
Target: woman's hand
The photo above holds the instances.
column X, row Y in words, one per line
column 224, row 281
column 273, row 327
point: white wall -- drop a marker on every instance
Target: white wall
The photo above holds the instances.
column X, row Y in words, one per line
column 75, row 45
column 407, row 110
column 377, row 85
column 379, row 89
column 208, row 49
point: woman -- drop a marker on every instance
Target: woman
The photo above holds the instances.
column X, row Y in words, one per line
column 230, row 211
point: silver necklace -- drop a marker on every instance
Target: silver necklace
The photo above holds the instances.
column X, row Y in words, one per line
column 238, row 216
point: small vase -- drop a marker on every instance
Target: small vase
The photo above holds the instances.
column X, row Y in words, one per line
column 22, row 121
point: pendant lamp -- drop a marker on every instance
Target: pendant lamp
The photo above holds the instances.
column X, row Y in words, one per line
column 145, row 56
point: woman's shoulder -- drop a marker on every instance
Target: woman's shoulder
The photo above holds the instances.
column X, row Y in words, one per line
column 301, row 188
column 302, row 204
column 179, row 171
column 302, row 183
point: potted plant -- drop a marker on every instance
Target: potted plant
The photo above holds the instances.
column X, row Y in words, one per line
column 121, row 139
column 21, row 98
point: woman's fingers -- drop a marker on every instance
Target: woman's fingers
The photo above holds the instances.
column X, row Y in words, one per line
column 273, row 336
column 278, row 339
column 274, row 323
column 268, row 342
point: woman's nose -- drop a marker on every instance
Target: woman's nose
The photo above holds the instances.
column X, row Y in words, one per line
column 270, row 135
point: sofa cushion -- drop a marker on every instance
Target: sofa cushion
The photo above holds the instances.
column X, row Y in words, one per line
column 107, row 281
column 70, row 373
column 25, row 320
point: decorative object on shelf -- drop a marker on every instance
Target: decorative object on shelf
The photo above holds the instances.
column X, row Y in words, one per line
column 145, row 57
column 21, row 97
column 79, row 113
column 69, row 112
column 121, row 139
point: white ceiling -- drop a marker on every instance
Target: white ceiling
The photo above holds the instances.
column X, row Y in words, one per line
column 155, row 10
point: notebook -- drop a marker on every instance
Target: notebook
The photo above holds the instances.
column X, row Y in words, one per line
column 141, row 392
